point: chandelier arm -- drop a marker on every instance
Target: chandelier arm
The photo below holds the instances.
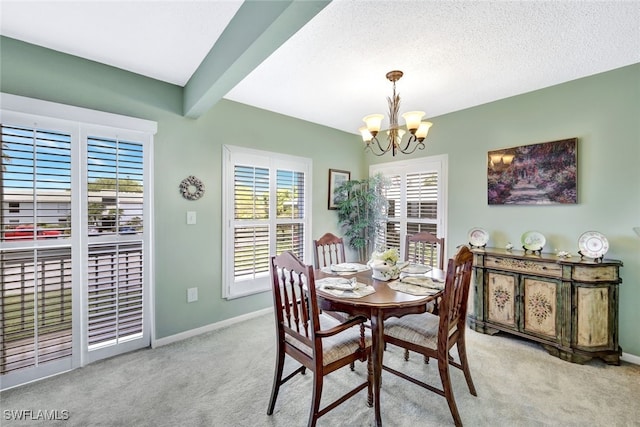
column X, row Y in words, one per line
column 411, row 139
column 372, row 147
column 377, row 154
column 420, row 145
column 383, row 150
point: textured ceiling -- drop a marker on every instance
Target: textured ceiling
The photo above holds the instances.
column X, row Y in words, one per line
column 455, row 54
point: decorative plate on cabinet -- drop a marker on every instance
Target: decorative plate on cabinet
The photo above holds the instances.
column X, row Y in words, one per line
column 593, row 244
column 478, row 237
column 533, row 240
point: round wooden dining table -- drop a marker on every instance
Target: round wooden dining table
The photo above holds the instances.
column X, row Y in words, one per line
column 377, row 307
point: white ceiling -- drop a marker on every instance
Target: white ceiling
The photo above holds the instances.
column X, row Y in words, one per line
column 455, row 54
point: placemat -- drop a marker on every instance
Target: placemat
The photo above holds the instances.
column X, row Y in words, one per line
column 329, row 285
column 425, row 282
column 408, row 288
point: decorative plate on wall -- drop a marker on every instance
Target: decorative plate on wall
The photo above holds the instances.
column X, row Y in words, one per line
column 593, row 244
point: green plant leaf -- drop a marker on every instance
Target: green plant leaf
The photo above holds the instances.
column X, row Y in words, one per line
column 361, row 212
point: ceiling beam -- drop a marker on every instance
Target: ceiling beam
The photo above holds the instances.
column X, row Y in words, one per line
column 254, row 33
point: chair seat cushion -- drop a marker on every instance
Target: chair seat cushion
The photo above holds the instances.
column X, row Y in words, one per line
column 420, row 329
column 337, row 346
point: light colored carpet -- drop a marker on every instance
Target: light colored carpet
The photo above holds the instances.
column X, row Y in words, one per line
column 223, row 378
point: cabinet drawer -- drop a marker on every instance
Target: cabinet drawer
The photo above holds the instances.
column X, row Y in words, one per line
column 594, row 274
column 550, row 269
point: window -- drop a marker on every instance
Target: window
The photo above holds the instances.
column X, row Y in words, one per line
column 69, row 296
column 416, row 195
column 267, row 198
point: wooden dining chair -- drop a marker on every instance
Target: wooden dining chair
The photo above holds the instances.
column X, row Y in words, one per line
column 434, row 336
column 428, row 249
column 425, row 248
column 318, row 342
column 327, row 250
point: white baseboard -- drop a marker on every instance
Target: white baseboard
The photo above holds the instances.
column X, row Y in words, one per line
column 208, row 328
column 630, row 358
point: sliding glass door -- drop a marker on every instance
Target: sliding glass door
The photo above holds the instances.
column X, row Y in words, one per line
column 74, row 239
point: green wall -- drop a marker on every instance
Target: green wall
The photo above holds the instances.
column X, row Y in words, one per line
column 185, row 256
column 601, row 110
column 189, row 256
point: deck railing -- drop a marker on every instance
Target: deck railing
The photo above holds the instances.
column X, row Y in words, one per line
column 36, row 309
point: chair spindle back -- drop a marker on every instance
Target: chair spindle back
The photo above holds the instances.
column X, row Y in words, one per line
column 327, row 250
column 297, row 314
column 425, row 248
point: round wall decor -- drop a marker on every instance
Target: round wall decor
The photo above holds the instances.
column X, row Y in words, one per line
column 191, row 188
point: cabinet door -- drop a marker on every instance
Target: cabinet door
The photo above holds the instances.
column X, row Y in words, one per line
column 540, row 305
column 592, row 317
column 500, row 298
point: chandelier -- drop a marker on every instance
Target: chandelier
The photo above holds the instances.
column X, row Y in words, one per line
column 417, row 128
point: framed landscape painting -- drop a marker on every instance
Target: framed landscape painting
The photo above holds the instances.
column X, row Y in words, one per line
column 536, row 174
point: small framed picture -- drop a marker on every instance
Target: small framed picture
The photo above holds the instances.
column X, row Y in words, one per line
column 336, row 178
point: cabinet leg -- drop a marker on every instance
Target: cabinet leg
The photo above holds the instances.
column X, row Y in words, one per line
column 481, row 327
column 582, row 358
column 569, row 356
column 612, row 359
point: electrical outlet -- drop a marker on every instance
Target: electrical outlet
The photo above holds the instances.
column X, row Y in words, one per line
column 192, row 294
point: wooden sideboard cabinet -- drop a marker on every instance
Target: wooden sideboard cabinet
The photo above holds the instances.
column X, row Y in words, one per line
column 568, row 305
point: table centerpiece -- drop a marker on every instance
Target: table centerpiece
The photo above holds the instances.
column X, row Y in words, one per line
column 384, row 264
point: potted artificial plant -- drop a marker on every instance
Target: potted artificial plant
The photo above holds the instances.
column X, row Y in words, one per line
column 362, row 207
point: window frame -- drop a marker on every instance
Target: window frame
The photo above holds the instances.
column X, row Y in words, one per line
column 439, row 164
column 231, row 156
column 77, row 121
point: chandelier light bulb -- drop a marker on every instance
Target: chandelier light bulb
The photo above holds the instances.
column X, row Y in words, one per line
column 423, row 130
column 366, row 135
column 412, row 119
column 374, row 122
